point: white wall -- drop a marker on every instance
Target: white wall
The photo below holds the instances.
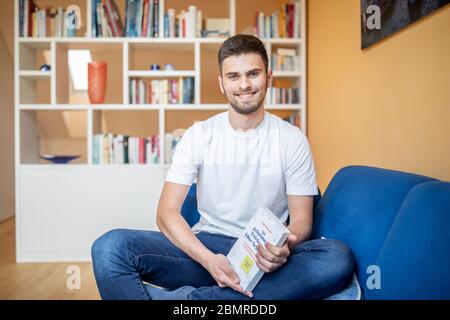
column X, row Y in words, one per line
column 7, row 208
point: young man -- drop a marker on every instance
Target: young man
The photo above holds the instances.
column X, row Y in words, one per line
column 242, row 158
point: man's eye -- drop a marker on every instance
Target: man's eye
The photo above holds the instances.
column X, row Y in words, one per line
column 253, row 74
column 233, row 77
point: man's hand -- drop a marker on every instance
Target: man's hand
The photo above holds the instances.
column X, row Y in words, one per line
column 220, row 269
column 270, row 258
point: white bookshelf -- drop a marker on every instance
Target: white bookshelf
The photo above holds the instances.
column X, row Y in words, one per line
column 61, row 209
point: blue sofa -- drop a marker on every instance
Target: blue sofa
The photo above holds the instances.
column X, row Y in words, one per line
column 397, row 224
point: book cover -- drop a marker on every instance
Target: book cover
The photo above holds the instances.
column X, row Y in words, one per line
column 263, row 227
column 125, row 149
column 150, row 19
column 140, row 9
column 114, row 17
column 290, row 20
column 145, row 22
column 156, row 19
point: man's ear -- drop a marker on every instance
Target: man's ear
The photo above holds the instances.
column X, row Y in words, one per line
column 269, row 78
column 221, row 84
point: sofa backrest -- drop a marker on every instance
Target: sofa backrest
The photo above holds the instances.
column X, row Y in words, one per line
column 359, row 207
column 415, row 258
column 189, row 209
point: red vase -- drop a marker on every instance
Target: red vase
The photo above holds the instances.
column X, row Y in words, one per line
column 97, row 74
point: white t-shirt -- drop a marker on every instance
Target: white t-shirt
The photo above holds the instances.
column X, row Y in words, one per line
column 238, row 171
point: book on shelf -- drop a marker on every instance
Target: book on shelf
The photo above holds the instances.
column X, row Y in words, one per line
column 110, row 148
column 216, row 27
column 284, row 23
column 294, row 119
column 285, row 59
column 35, row 21
column 170, row 142
column 162, row 91
column 106, row 21
column 263, row 227
column 284, row 95
column 142, row 18
column 187, row 24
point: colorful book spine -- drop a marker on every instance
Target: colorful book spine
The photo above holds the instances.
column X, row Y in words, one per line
column 109, row 148
column 279, row 24
column 285, row 95
column 165, row 91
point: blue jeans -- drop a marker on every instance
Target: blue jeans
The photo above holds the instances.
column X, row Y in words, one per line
column 124, row 259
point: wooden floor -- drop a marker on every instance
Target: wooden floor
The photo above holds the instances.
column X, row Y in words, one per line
column 38, row 280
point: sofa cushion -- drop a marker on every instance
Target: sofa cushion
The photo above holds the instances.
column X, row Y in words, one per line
column 359, row 207
column 189, row 209
column 414, row 260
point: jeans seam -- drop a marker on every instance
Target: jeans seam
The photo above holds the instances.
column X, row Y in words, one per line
column 141, row 286
column 157, row 255
column 139, row 280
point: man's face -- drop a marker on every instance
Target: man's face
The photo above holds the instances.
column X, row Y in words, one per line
column 244, row 82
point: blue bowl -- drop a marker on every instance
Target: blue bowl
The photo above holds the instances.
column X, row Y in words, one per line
column 58, row 159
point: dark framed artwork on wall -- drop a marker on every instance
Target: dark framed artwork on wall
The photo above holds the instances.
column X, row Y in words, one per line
column 381, row 18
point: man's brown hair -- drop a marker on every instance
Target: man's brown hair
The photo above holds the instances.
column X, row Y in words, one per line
column 242, row 43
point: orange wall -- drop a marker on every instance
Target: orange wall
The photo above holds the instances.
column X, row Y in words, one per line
column 386, row 106
column 7, row 207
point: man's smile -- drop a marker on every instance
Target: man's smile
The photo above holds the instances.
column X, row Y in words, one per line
column 246, row 95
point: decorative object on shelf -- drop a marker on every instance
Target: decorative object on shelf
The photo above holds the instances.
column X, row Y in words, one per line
column 59, row 158
column 169, row 67
column 72, row 20
column 155, row 67
column 45, row 67
column 37, row 19
column 97, row 74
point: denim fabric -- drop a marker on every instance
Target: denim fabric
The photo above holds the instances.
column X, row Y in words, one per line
column 352, row 292
column 124, row 259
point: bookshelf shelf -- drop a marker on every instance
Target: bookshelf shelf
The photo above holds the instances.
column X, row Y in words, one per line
column 282, row 40
column 128, row 107
column 111, row 167
column 83, row 199
column 161, row 74
column 194, row 107
column 137, row 107
column 287, row 74
column 136, row 40
column 52, row 107
column 35, row 74
column 284, row 107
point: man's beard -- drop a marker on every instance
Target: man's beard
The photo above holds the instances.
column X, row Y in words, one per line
column 253, row 109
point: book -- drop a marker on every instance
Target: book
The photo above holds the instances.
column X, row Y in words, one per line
column 109, row 148
column 263, row 227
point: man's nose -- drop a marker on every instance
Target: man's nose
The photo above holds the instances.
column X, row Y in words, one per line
column 244, row 83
